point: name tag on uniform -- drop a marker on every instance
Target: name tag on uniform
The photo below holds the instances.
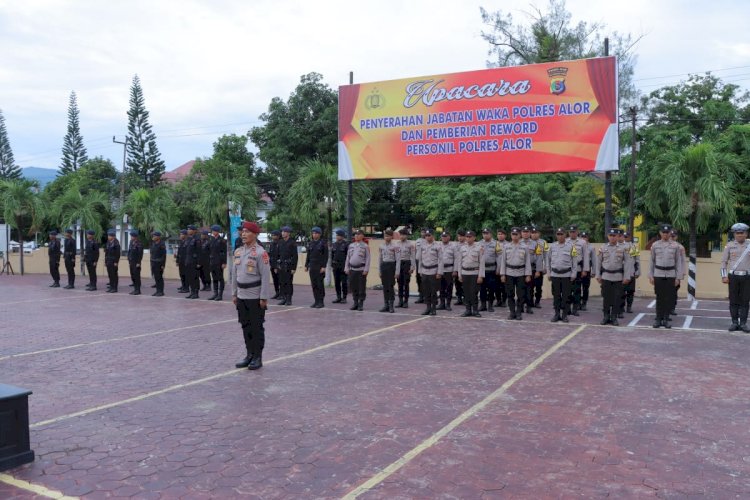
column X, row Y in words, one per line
column 237, row 261
column 250, row 266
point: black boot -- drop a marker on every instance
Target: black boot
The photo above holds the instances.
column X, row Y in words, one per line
column 734, row 311
column 605, row 318
column 519, row 312
column 467, row 313
column 406, row 302
column 420, row 300
column 613, row 320
column 433, row 312
column 743, row 320
column 256, row 362
column 564, row 316
column 400, row 302
column 427, row 310
column 288, row 301
column 483, row 307
column 361, row 305
column 657, row 323
column 384, row 309
column 216, row 291
column 441, row 307
column 667, row 322
column 343, row 299
column 448, row 305
column 529, row 310
column 574, row 312
column 490, row 307
column 512, row 310
column 337, row 300
column 475, row 312
column 556, row 317
column 220, row 295
column 355, row 305
column 206, row 287
column 390, row 306
column 137, row 291
column 244, row 362
column 583, row 306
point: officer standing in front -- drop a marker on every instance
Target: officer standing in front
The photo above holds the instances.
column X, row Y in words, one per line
column 584, row 267
column 53, row 254
column 430, row 258
column 112, row 253
column 471, row 273
column 158, row 259
column 450, row 256
column 315, row 264
column 91, row 258
column 357, row 266
column 664, row 273
column 180, row 259
column 192, row 261
column 562, row 267
column 536, row 254
column 287, row 265
column 614, row 267
column 735, row 271
column 217, row 261
column 273, row 254
column 69, row 257
column 515, row 272
column 135, row 257
column 407, row 253
column 338, row 260
column 388, row 267
column 487, row 287
column 250, row 291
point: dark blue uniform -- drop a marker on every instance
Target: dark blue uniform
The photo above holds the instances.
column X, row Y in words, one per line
column 53, row 253
column 135, row 257
column 338, row 260
column 317, row 259
column 111, row 260
column 217, row 260
column 91, row 258
column 158, row 259
column 69, row 257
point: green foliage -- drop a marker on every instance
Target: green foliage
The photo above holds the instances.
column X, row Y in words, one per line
column 74, row 152
column 305, row 127
column 21, row 206
column 233, row 149
column 152, row 209
column 90, row 209
column 143, row 157
column 8, row 168
column 97, row 175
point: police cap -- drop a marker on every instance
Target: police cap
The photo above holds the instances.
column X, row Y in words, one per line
column 192, row 227
column 740, row 227
column 444, row 234
column 461, row 232
column 286, row 229
column 626, row 234
column 388, row 232
column 501, row 231
column 91, row 232
column 275, row 232
column 156, row 233
column 183, row 231
column 665, row 228
column 316, row 229
column 534, row 229
column 471, row 234
column 111, row 232
column 515, row 230
column 134, row 232
column 560, row 230
column 205, row 231
column 572, row 227
column 359, row 231
column 68, row 231
column 216, row 228
column 53, row 233
column 428, row 232
column 486, row 230
column 613, row 231
column 251, row 226
column 526, row 229
column 584, row 234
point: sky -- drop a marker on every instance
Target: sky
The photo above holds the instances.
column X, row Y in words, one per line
column 210, row 68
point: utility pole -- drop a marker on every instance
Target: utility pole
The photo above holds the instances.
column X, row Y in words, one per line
column 122, row 187
column 350, row 192
column 607, row 178
column 631, row 219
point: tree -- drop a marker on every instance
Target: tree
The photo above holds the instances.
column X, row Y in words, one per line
column 75, row 207
column 143, row 157
column 551, row 36
column 691, row 185
column 74, row 152
column 8, row 167
column 318, row 194
column 151, row 209
column 21, row 207
column 304, row 127
column 233, row 148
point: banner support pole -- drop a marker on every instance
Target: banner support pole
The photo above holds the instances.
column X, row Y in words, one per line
column 350, row 191
column 607, row 177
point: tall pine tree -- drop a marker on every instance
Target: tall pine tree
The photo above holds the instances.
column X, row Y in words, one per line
column 144, row 159
column 74, row 152
column 8, row 167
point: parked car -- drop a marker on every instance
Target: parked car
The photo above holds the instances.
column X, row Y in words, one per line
column 28, row 246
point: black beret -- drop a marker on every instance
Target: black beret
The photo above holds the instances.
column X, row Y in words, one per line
column 340, row 232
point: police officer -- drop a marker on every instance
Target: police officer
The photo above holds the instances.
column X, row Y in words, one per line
column 430, row 258
column 205, row 260
column 735, row 271
column 53, row 254
column 536, row 254
column 192, row 261
column 135, row 257
column 339, row 250
column 315, row 264
column 584, row 267
column 158, row 259
column 500, row 295
column 417, row 246
column 586, row 280
column 250, row 292
column 471, row 272
column 91, row 258
column 515, row 272
column 614, row 267
column 561, row 267
column 407, row 254
column 487, row 287
column 69, row 258
column 664, row 273
column 357, row 266
column 675, row 238
column 461, row 241
column 112, row 254
column 273, row 254
column 287, row 265
column 217, row 261
column 450, row 256
column 629, row 289
column 180, row 259
column 388, row 265
column 542, row 249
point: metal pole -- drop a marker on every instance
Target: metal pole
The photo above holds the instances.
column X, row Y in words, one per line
column 607, row 179
column 122, row 187
column 631, row 221
column 350, row 191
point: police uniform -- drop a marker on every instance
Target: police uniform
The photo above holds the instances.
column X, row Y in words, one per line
column 192, row 262
column 417, row 245
column 501, row 298
column 273, row 255
column 205, row 260
column 684, row 270
column 112, row 254
column 735, row 270
column 488, row 285
column 315, row 264
column 430, row 258
column 541, row 251
column 457, row 285
column 339, row 250
column 450, row 256
column 69, row 257
column 91, row 258
column 629, row 289
column 287, row 266
column 664, row 269
column 562, row 268
column 135, row 257
column 536, row 255
column 217, row 261
column 584, row 266
column 53, row 255
column 407, row 254
column 388, row 265
column 470, row 267
column 180, row 258
column 586, row 280
column 158, row 259
column 250, row 285
column 357, row 266
column 613, row 266
column 515, row 268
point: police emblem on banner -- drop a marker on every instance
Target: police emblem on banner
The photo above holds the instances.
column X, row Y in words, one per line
column 375, row 100
column 557, row 79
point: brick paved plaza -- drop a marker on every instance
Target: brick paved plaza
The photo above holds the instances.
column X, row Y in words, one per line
column 138, row 397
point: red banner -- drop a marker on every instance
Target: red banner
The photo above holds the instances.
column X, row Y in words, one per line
column 552, row 117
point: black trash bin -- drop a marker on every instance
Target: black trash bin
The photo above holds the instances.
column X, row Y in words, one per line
column 15, row 447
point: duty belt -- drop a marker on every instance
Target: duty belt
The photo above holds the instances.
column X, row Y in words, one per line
column 515, row 267
column 429, row 267
column 359, row 268
column 661, row 268
column 489, row 266
column 470, row 269
column 739, row 273
column 406, row 260
column 447, row 267
column 252, row 284
column 613, row 271
column 562, row 271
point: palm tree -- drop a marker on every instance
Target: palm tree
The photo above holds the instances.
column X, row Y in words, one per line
column 21, row 207
column 218, row 184
column 318, row 193
column 85, row 209
column 151, row 209
column 696, row 183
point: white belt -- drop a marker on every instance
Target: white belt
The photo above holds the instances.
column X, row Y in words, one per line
column 738, row 273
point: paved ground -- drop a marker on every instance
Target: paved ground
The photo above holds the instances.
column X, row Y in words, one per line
column 138, row 397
